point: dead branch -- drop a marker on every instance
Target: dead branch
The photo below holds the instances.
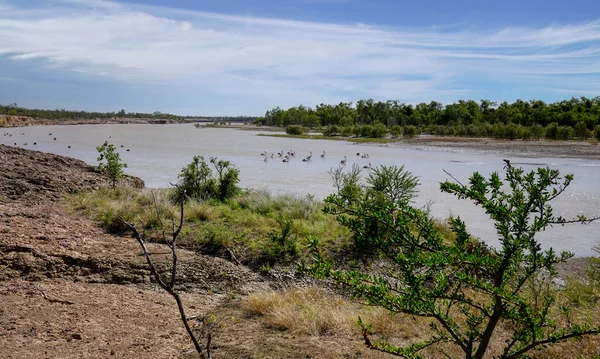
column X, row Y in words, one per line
column 204, row 353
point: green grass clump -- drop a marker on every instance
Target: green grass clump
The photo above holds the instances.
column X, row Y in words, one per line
column 260, row 228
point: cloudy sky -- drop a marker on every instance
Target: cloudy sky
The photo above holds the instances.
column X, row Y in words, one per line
column 233, row 57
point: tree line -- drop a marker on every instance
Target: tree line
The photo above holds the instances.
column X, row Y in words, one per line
column 62, row 114
column 577, row 118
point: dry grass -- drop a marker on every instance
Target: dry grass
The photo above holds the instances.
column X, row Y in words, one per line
column 314, row 311
column 310, row 312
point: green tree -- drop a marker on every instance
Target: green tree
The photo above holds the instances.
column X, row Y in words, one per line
column 396, row 131
column 113, row 167
column 467, row 289
column 409, row 131
column 295, row 130
column 196, row 180
column 581, row 131
column 597, row 133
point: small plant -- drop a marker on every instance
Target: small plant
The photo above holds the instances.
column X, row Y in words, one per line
column 113, row 167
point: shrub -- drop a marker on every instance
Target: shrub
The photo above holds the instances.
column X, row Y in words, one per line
column 332, row 130
column 348, row 131
column 551, row 131
column 581, row 131
column 396, row 131
column 113, row 167
column 410, row 131
column 537, row 131
column 468, row 289
column 597, row 133
column 196, row 180
column 296, row 130
column 564, row 133
column 379, row 131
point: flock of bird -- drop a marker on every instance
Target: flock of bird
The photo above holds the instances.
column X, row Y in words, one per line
column 8, row 134
column 287, row 156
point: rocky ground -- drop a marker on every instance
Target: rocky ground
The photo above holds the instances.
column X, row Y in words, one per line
column 69, row 290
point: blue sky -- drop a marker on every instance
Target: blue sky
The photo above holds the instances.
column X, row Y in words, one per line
column 235, row 57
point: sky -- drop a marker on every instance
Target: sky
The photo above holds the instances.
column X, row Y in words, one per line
column 243, row 57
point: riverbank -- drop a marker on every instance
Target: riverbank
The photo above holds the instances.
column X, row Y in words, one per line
column 70, row 288
column 589, row 150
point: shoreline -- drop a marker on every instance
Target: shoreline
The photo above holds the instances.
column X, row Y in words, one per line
column 586, row 150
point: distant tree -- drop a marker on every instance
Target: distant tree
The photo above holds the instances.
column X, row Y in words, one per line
column 295, row 130
column 581, row 131
column 410, row 131
column 396, row 131
column 113, row 167
column 551, row 131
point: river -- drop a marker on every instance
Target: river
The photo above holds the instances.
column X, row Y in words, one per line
column 158, row 152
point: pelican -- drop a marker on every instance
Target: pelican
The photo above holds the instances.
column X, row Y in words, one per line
column 285, row 159
column 358, row 153
column 272, row 155
column 368, row 167
column 323, row 154
column 309, row 156
column 343, row 162
column 266, row 158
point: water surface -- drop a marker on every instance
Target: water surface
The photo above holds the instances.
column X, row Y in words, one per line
column 158, row 152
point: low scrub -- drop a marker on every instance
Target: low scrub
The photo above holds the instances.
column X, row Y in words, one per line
column 314, row 311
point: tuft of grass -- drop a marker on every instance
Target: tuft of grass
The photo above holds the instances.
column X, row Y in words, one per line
column 314, row 311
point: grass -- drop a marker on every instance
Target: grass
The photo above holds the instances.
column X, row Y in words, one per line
column 258, row 227
column 309, row 312
column 314, row 311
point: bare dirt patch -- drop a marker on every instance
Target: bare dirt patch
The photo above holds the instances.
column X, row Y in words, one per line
column 519, row 148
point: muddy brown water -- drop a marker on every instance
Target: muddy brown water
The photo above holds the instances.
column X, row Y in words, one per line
column 158, row 152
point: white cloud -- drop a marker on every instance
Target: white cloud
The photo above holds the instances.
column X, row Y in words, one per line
column 284, row 62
